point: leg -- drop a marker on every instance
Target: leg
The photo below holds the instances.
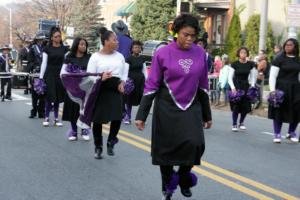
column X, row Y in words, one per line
column 292, row 134
column 242, row 119
column 235, row 116
column 72, row 132
column 8, row 89
column 34, row 102
column 41, row 106
column 277, row 131
column 186, row 180
column 169, row 181
column 2, row 89
column 112, row 138
column 98, row 140
column 56, row 120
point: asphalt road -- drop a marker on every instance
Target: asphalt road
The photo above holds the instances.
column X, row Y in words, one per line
column 38, row 163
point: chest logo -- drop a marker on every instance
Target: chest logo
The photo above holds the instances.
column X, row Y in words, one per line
column 185, row 64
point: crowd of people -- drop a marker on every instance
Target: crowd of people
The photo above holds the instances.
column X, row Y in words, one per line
column 178, row 81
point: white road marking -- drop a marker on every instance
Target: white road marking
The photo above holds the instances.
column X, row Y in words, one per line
column 17, row 97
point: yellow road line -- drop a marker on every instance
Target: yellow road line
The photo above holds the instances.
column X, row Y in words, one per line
column 226, row 172
column 203, row 172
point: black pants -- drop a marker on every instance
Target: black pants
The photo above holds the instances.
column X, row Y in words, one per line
column 38, row 103
column 113, row 132
column 5, row 81
column 183, row 172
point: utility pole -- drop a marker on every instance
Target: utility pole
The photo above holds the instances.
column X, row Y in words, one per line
column 263, row 25
column 292, row 31
column 178, row 10
column 10, row 27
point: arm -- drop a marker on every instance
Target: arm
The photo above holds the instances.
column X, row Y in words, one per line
column 230, row 77
column 44, row 65
column 63, row 69
column 124, row 72
column 253, row 76
column 273, row 76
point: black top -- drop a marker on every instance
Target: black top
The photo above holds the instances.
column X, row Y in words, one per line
column 56, row 57
column 136, row 63
column 289, row 68
column 35, row 58
column 81, row 62
column 242, row 70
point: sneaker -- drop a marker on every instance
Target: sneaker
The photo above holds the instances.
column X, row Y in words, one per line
column 72, row 135
column 57, row 123
column 242, row 127
column 85, row 134
column 126, row 120
column 293, row 137
column 277, row 138
column 288, row 136
column 46, row 122
column 234, row 128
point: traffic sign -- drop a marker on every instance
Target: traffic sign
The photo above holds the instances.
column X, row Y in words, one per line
column 293, row 15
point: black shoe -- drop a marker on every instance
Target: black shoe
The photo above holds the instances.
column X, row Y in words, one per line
column 32, row 114
column 98, row 152
column 166, row 196
column 2, row 99
column 8, row 98
column 186, row 192
column 26, row 91
column 110, row 149
column 41, row 115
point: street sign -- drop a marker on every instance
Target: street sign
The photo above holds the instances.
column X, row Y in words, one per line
column 293, row 15
column 70, row 31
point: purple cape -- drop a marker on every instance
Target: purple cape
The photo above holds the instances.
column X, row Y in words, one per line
column 183, row 72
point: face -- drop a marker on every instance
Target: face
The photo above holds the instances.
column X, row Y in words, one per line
column 186, row 37
column 56, row 37
column 136, row 49
column 289, row 47
column 5, row 51
column 276, row 49
column 82, row 46
column 112, row 42
column 243, row 54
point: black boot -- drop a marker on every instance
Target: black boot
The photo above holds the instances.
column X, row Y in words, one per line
column 98, row 153
column 32, row 114
column 166, row 196
column 110, row 146
column 2, row 98
column 41, row 115
column 186, row 192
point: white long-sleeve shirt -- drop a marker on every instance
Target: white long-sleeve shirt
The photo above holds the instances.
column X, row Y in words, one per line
column 252, row 77
column 114, row 63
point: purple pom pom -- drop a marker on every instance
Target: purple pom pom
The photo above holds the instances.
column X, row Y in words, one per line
column 276, row 98
column 253, row 94
column 39, row 86
column 194, row 179
column 235, row 98
column 173, row 183
column 129, row 86
column 73, row 68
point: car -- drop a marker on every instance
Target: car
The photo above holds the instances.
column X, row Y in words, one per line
column 150, row 46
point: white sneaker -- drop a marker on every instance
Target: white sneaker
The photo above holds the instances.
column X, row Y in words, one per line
column 288, row 136
column 277, row 140
column 242, row 127
column 86, row 137
column 294, row 139
column 234, row 128
column 57, row 123
column 46, row 122
column 72, row 138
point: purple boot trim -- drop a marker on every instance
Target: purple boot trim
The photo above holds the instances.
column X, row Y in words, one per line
column 172, row 185
column 71, row 133
column 277, row 136
column 194, row 179
column 293, row 134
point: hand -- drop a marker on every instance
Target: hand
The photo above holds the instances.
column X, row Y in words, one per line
column 106, row 75
column 121, row 87
column 233, row 91
column 207, row 125
column 140, row 125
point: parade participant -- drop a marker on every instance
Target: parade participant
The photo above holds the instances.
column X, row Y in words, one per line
column 241, row 73
column 108, row 107
column 284, row 76
column 121, row 30
column 23, row 60
column 178, row 81
column 78, row 57
column 53, row 57
column 34, row 62
column 5, row 76
column 137, row 74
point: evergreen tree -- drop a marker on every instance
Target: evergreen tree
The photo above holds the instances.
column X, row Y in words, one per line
column 252, row 36
column 86, row 20
column 150, row 20
column 233, row 39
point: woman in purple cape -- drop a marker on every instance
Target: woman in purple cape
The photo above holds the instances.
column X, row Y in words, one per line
column 242, row 75
column 177, row 81
column 284, row 76
column 79, row 58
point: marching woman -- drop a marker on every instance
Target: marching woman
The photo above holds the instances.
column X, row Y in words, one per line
column 78, row 57
column 241, row 73
column 108, row 106
column 136, row 73
column 178, row 80
column 53, row 58
column 284, row 77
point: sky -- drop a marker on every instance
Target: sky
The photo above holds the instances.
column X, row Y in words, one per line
column 3, row 2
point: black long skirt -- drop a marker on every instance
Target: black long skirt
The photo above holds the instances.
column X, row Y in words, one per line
column 55, row 90
column 134, row 98
column 71, row 110
column 109, row 102
column 244, row 105
column 289, row 110
column 177, row 136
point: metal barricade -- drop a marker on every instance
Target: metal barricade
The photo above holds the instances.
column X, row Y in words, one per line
column 213, row 87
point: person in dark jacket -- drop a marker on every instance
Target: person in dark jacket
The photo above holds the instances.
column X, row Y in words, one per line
column 5, row 75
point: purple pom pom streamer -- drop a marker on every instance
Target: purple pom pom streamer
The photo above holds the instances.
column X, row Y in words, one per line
column 253, row 94
column 173, row 183
column 73, row 68
column 276, row 98
column 39, row 86
column 129, row 86
column 235, row 98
